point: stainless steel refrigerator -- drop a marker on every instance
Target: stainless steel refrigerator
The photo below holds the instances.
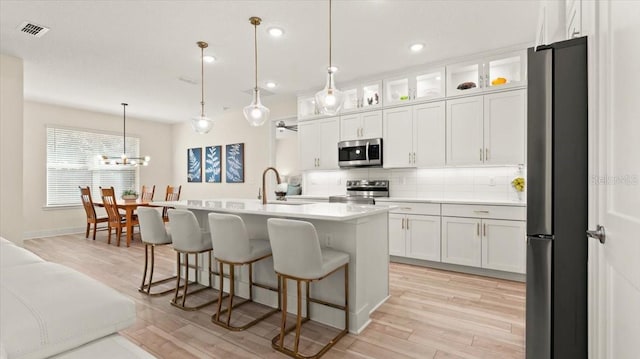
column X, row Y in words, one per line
column 556, row 319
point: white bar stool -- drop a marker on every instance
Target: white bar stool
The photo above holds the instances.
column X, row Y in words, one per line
column 233, row 247
column 188, row 239
column 153, row 233
column 297, row 256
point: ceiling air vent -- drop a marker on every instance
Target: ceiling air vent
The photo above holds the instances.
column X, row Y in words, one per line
column 33, row 29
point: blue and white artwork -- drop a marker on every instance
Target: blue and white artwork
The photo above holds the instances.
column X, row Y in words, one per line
column 194, row 165
column 235, row 163
column 213, row 164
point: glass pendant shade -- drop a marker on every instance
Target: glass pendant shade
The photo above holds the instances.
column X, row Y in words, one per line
column 256, row 113
column 329, row 100
column 201, row 124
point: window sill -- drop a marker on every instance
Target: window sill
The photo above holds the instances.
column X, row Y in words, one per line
column 60, row 207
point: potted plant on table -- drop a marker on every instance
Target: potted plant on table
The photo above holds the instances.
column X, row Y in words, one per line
column 129, row 195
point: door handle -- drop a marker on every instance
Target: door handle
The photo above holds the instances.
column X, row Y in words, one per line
column 598, row 234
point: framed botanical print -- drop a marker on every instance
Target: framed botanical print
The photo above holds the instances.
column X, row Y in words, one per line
column 194, row 164
column 213, row 164
column 235, row 163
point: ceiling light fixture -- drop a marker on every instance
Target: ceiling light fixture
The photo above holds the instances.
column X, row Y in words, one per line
column 271, row 84
column 209, row 59
column 329, row 100
column 276, row 31
column 416, row 47
column 256, row 113
column 202, row 124
column 333, row 69
column 124, row 159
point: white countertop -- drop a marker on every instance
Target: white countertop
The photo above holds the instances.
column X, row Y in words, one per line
column 324, row 211
column 427, row 200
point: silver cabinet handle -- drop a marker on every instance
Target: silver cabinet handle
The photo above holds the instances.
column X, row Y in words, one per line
column 484, row 229
column 478, row 229
column 406, row 208
column 407, row 223
column 409, row 157
column 481, row 155
column 414, row 158
column 478, row 211
column 403, row 223
column 486, row 154
column 598, row 234
column 318, row 162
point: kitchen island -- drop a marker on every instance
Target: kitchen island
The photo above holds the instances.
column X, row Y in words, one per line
column 359, row 230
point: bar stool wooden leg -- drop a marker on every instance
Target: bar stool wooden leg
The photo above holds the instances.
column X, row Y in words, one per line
column 221, row 276
column 283, row 324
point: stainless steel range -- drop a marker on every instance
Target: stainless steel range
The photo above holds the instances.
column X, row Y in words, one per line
column 363, row 191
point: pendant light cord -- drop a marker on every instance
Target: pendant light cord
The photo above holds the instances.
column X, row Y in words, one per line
column 329, row 35
column 124, row 129
column 202, row 77
column 255, row 48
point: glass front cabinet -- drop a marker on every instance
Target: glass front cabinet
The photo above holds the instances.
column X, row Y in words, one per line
column 493, row 73
column 307, row 107
column 362, row 96
column 415, row 87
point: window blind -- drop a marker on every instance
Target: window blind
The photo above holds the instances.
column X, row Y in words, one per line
column 72, row 161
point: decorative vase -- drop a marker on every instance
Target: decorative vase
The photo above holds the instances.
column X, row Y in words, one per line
column 520, row 196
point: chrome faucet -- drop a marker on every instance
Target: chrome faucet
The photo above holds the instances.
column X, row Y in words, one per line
column 264, row 189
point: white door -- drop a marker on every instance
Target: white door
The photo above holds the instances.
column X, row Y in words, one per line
column 350, row 127
column 329, row 133
column 504, row 245
column 464, row 131
column 398, row 131
column 614, row 75
column 423, row 237
column 371, row 124
column 504, row 128
column 429, row 134
column 396, row 234
column 308, row 145
column 461, row 241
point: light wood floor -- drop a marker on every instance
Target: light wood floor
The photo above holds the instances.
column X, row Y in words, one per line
column 431, row 313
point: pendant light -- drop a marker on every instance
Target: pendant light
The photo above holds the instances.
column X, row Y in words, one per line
column 124, row 159
column 329, row 100
column 202, row 124
column 256, row 113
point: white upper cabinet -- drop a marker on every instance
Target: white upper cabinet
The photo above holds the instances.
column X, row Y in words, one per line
column 465, row 145
column 487, row 129
column 362, row 125
column 362, row 97
column 307, row 107
column 318, row 144
column 504, row 128
column 414, row 136
column 414, row 87
column 493, row 73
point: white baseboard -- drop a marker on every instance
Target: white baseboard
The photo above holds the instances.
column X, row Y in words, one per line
column 53, row 232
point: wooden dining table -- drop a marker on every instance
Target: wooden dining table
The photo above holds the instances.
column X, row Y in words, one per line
column 129, row 206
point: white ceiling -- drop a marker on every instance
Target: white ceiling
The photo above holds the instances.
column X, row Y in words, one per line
column 101, row 53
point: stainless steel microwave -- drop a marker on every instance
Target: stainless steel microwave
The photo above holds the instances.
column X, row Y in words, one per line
column 360, row 153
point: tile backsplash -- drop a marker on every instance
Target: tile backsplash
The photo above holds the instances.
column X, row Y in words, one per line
column 478, row 183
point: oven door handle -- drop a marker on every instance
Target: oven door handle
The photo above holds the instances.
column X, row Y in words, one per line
column 367, row 150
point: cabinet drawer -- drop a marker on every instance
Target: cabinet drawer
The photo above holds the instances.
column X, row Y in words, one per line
column 432, row 209
column 483, row 211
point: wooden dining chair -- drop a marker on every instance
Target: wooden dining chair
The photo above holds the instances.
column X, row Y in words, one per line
column 89, row 208
column 147, row 193
column 116, row 221
column 172, row 194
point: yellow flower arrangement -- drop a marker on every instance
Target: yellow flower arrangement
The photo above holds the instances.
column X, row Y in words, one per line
column 518, row 184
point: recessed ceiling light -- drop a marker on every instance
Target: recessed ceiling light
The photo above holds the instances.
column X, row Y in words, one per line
column 333, row 68
column 271, row 84
column 275, row 31
column 416, row 47
column 209, row 59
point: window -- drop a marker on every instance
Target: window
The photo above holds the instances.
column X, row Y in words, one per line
column 73, row 160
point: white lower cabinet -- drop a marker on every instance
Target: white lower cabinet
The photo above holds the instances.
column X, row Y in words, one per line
column 414, row 236
column 482, row 242
column 504, row 245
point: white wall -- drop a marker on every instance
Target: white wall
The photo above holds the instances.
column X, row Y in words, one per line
column 230, row 127
column 155, row 141
column 286, row 153
column 11, row 129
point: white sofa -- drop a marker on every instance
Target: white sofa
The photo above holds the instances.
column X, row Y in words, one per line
column 47, row 309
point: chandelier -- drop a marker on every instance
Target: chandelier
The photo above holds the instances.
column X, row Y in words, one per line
column 124, row 159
